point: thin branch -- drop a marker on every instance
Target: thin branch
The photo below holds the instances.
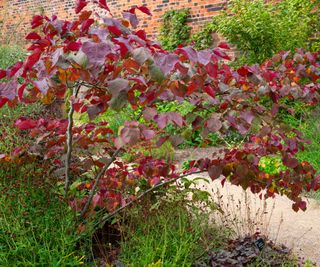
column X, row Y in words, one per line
column 69, row 142
column 100, row 174
column 110, row 215
column 96, row 182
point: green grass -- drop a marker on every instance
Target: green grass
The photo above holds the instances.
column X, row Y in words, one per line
column 9, row 55
column 311, row 129
column 37, row 228
column 170, row 235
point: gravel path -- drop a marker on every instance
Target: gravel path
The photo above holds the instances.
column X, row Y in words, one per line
column 299, row 231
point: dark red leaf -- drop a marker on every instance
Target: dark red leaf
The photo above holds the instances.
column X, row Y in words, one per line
column 290, row 162
column 25, row 124
column 3, row 74
column 115, row 30
column 212, row 70
column 3, row 101
column 221, row 54
column 80, row 4
column 145, row 10
column 103, row 4
column 299, row 205
column 14, row 69
column 32, row 60
column 224, row 45
column 74, row 46
column 33, row 36
column 189, row 52
column 21, row 90
column 243, row 71
column 209, row 90
column 36, row 21
column 86, row 25
column 215, row 171
column 142, row 34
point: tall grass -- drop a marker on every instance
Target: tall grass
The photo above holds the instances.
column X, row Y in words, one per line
column 37, row 228
column 169, row 235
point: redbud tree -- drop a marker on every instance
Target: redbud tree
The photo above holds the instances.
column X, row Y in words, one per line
column 106, row 63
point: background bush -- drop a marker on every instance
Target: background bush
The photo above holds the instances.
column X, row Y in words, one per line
column 260, row 29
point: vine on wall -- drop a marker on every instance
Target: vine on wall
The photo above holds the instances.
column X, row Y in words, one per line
column 175, row 31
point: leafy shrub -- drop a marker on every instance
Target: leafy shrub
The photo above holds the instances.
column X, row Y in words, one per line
column 174, row 31
column 260, row 29
column 109, row 67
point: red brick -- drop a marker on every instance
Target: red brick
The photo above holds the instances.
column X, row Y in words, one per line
column 15, row 15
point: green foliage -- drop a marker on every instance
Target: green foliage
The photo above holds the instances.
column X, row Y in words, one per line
column 203, row 39
column 260, row 29
column 114, row 118
column 311, row 129
column 165, row 151
column 271, row 165
column 183, row 108
column 36, row 227
column 174, row 30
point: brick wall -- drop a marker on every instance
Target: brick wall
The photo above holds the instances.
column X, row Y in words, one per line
column 15, row 15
